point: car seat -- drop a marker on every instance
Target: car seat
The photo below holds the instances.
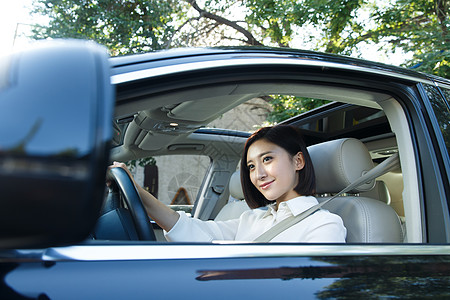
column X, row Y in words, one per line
column 337, row 164
column 234, row 208
column 379, row 192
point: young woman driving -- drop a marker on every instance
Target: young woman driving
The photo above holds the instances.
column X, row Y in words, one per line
column 278, row 181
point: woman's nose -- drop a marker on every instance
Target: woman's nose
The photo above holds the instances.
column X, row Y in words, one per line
column 260, row 173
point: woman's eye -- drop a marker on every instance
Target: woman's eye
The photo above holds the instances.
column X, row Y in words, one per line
column 267, row 158
column 251, row 167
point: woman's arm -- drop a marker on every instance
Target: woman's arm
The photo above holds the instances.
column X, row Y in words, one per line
column 158, row 211
column 184, row 228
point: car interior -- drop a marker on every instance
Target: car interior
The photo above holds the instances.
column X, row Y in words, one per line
column 183, row 130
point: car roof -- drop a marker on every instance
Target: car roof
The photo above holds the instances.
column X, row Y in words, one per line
column 126, row 64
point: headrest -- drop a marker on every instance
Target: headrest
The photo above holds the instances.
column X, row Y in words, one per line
column 235, row 186
column 379, row 192
column 340, row 162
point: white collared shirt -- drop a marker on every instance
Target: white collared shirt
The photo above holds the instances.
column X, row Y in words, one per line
column 320, row 227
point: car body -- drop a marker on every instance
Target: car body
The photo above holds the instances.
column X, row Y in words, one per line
column 164, row 104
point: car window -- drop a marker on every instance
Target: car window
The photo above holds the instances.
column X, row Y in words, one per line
column 174, row 179
column 375, row 118
column 441, row 111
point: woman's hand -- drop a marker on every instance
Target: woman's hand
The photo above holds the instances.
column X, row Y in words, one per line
column 119, row 165
column 123, row 166
column 158, row 211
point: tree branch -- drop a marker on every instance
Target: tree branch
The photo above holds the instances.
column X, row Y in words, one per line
column 442, row 7
column 251, row 40
column 169, row 42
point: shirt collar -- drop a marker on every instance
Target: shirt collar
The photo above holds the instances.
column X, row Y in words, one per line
column 296, row 205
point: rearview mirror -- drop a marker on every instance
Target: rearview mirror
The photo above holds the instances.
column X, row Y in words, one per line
column 56, row 104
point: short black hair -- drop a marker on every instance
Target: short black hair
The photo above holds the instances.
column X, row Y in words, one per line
column 290, row 139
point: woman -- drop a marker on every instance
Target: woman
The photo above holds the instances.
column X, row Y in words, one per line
column 278, row 181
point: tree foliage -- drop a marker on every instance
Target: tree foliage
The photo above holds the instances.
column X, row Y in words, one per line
column 147, row 161
column 422, row 27
column 124, row 26
column 130, row 26
column 285, row 107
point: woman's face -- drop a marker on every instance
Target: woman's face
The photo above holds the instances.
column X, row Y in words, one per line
column 273, row 171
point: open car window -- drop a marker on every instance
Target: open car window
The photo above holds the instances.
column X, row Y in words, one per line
column 334, row 120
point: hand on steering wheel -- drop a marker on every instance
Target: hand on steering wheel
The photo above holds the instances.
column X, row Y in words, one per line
column 119, row 181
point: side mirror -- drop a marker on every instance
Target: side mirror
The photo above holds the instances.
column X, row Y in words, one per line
column 56, row 105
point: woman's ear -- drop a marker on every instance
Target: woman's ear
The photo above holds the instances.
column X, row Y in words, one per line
column 299, row 161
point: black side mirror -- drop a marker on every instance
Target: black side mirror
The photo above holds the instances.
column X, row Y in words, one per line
column 56, row 105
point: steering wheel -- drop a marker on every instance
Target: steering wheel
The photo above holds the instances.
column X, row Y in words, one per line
column 121, row 183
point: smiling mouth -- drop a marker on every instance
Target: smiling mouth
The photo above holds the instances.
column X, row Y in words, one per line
column 265, row 185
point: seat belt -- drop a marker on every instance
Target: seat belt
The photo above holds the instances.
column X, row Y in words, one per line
column 387, row 165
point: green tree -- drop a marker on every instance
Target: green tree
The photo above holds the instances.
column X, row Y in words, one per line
column 285, row 107
column 124, row 26
column 278, row 20
column 214, row 23
column 130, row 26
column 422, row 27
